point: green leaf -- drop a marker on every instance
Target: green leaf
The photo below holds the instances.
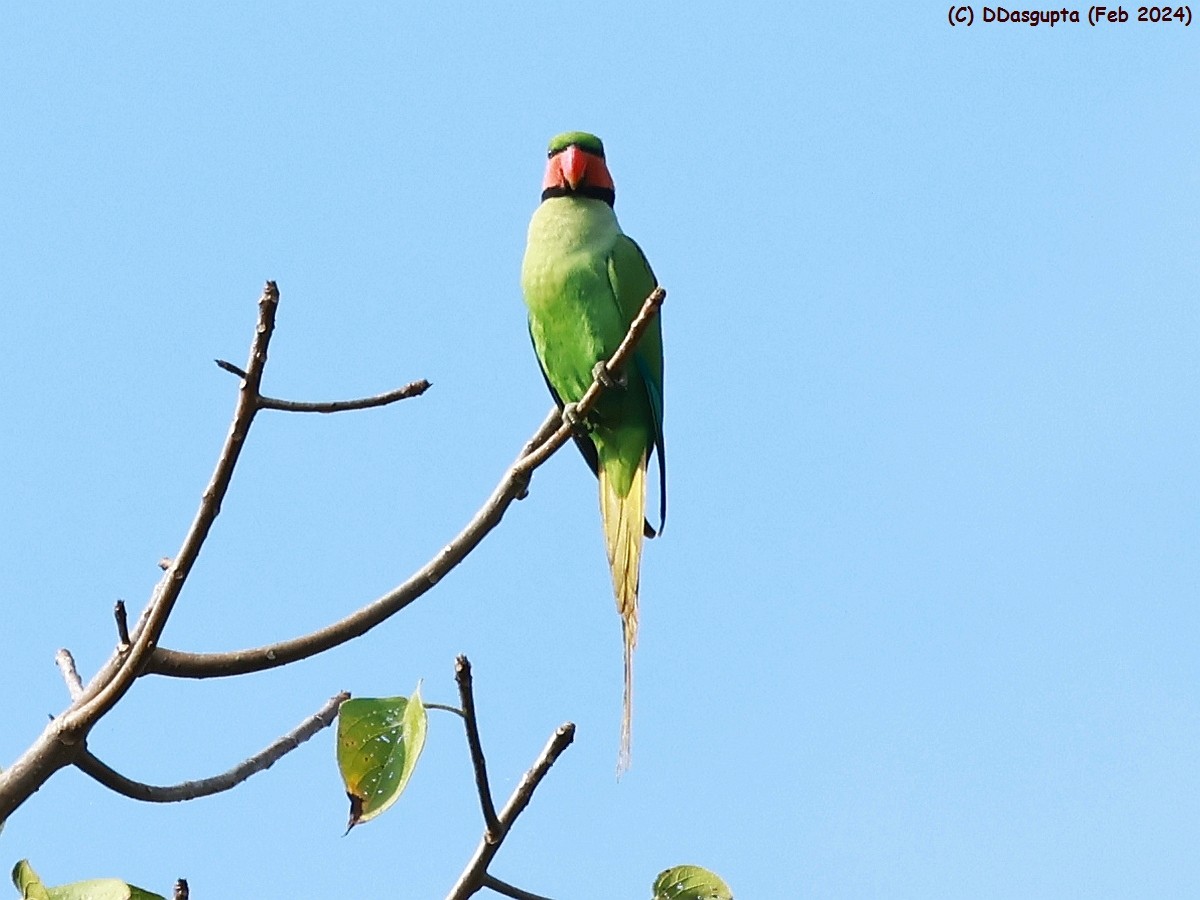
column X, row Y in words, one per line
column 378, row 744
column 690, row 883
column 102, row 889
column 28, row 883
column 31, row 888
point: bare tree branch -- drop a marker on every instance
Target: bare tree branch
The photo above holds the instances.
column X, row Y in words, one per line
column 112, row 689
column 205, row 787
column 412, row 389
column 509, row 890
column 63, row 739
column 66, row 664
column 473, row 876
column 462, row 675
column 181, row 664
column 552, row 434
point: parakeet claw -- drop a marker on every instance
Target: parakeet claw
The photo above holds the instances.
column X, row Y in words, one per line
column 570, row 415
column 601, row 373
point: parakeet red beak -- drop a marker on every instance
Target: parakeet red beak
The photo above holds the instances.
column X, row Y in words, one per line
column 574, row 163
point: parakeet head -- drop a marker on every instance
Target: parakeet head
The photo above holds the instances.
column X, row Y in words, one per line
column 576, row 168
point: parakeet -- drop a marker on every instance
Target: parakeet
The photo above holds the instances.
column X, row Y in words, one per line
column 584, row 281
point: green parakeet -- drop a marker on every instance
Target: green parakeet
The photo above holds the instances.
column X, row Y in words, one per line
column 584, row 282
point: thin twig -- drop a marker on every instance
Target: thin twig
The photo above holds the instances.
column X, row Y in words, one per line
column 122, row 618
column 412, row 389
column 466, row 693
column 231, row 368
column 559, row 741
column 543, row 434
column 472, row 878
column 66, row 664
column 205, row 787
column 509, row 890
column 445, row 707
column 165, row 565
column 551, row 435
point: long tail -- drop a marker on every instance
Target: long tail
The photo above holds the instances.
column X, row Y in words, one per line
column 624, row 518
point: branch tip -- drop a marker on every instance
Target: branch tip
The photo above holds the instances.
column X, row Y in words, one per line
column 493, row 833
column 122, row 619
column 231, row 368
column 66, row 664
column 412, row 389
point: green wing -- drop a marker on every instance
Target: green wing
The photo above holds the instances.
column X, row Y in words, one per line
column 583, row 441
column 632, row 280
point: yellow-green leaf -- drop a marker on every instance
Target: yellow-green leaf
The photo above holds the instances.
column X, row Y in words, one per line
column 32, row 888
column 690, row 883
column 28, row 883
column 378, row 744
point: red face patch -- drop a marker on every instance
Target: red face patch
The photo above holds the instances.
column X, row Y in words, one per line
column 574, row 168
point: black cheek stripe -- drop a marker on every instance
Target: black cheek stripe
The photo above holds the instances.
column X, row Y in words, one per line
column 608, row 195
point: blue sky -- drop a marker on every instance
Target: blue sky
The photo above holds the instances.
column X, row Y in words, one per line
column 923, row 623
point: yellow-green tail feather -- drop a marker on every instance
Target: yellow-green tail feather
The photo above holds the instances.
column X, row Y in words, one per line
column 623, row 523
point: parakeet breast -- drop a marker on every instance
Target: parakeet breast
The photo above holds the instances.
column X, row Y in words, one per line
column 573, row 316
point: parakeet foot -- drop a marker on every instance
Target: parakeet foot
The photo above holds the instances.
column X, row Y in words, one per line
column 602, row 374
column 578, row 423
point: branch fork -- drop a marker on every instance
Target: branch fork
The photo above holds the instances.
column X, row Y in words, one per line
column 63, row 741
